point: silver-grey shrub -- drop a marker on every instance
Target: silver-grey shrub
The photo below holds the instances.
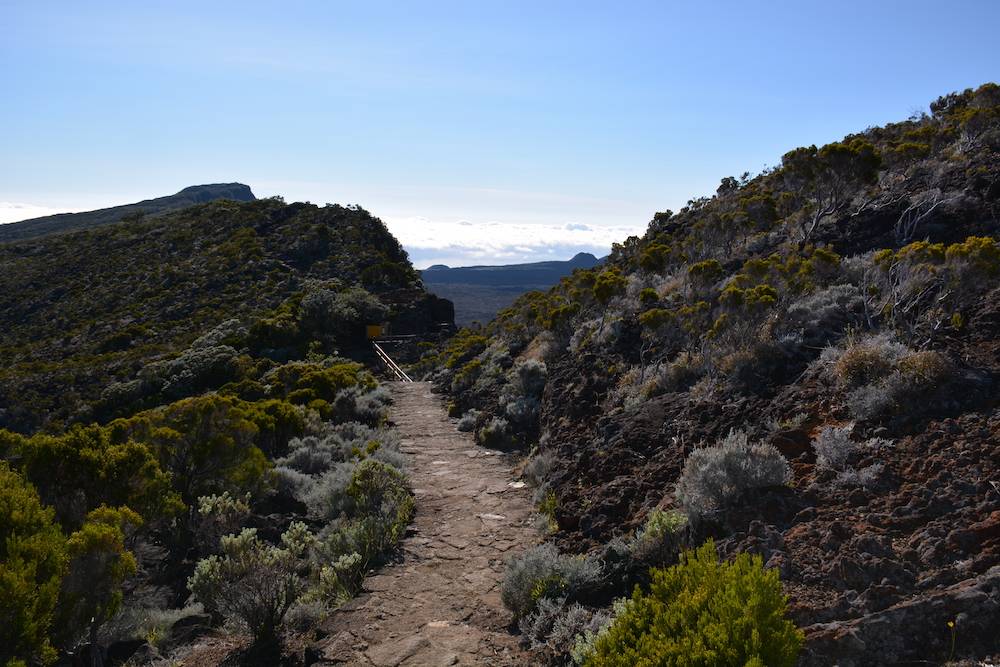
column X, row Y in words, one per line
column 555, row 625
column 193, row 370
column 715, row 477
column 468, row 421
column 531, row 377
column 368, row 407
column 310, row 455
column 542, row 572
column 290, row 482
column 327, row 496
column 538, row 468
column 825, row 312
column 253, row 583
column 834, row 450
column 834, row 447
column 523, row 411
column 389, row 456
column 315, row 454
column 221, row 334
column 871, row 401
column 864, row 477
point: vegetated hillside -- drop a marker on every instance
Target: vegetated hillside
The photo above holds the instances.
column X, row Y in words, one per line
column 803, row 366
column 101, row 322
column 480, row 292
column 68, row 222
column 212, row 461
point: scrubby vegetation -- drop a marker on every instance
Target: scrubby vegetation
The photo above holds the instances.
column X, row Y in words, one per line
column 187, row 479
column 778, row 363
column 716, row 477
column 144, row 312
column 543, row 573
column 701, row 612
column 187, row 443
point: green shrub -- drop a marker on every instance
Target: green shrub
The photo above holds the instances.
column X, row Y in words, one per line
column 379, row 492
column 90, row 466
column 99, row 565
column 32, row 562
column 703, row 612
column 302, row 383
column 466, row 376
column 206, row 443
column 660, row 538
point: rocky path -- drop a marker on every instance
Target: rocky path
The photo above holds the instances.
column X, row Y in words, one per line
column 441, row 604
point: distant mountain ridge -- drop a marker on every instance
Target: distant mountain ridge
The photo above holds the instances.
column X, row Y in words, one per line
column 509, row 274
column 69, row 222
column 480, row 292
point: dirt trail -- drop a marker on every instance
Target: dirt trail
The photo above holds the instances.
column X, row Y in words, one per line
column 441, row 604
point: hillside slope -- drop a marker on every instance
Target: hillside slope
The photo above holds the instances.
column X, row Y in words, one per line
column 68, row 222
column 192, row 440
column 835, row 318
column 91, row 313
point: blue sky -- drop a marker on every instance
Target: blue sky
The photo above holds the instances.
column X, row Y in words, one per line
column 482, row 132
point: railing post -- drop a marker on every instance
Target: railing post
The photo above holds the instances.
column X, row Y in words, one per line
column 390, row 364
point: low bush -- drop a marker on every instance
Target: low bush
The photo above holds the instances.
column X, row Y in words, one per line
column 357, row 404
column 523, row 412
column 542, row 572
column 660, row 539
column 835, row 450
column 702, row 612
column 864, row 361
column 834, row 447
column 884, row 378
column 863, row 477
column 146, row 622
column 326, row 496
column 496, row 434
column 758, row 366
column 219, row 515
column 467, row 423
column 380, row 493
column 538, row 467
column 555, row 626
column 819, row 316
column 680, row 374
column 253, row 584
column 715, row 477
column 530, row 377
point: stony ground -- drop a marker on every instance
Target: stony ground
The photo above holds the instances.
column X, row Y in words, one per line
column 441, row 604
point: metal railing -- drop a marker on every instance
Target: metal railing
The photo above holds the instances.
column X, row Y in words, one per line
column 390, row 364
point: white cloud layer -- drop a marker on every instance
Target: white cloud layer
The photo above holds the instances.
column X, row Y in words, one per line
column 15, row 212
column 462, row 243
